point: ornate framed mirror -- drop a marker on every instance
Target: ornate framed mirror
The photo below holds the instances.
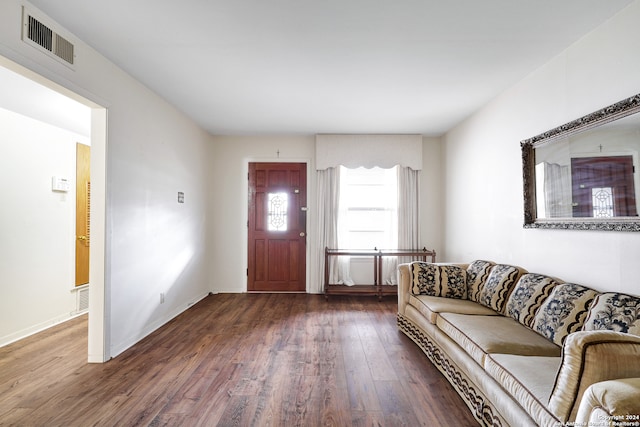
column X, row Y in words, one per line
column 585, row 174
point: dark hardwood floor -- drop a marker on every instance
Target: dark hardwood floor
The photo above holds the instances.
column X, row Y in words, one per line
column 236, row 360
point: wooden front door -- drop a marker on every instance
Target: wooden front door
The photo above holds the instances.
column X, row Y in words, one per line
column 83, row 211
column 612, row 177
column 277, row 227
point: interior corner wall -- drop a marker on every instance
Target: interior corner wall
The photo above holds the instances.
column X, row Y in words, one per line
column 229, row 157
column 37, row 226
column 483, row 167
column 155, row 245
column 432, row 196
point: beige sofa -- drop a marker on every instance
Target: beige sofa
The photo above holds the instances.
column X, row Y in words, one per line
column 522, row 348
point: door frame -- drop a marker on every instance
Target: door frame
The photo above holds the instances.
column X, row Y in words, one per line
column 310, row 216
column 98, row 330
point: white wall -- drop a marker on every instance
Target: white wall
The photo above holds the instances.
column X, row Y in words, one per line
column 154, row 245
column 483, row 172
column 227, row 212
column 37, row 225
column 432, row 196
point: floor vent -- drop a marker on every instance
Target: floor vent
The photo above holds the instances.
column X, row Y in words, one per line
column 82, row 303
column 45, row 38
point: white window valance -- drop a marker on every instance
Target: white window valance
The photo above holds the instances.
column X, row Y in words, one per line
column 368, row 151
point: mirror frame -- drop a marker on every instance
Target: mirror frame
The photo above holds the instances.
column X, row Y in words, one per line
column 608, row 114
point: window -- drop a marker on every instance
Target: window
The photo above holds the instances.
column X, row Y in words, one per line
column 277, row 211
column 602, row 202
column 368, row 208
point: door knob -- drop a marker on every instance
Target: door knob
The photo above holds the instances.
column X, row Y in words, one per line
column 302, row 234
column 82, row 237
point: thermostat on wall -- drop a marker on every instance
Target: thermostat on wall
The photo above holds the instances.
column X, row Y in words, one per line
column 59, row 184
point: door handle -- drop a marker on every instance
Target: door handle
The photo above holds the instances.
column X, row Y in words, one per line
column 82, row 238
column 302, row 234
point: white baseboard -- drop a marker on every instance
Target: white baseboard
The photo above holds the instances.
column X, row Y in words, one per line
column 34, row 329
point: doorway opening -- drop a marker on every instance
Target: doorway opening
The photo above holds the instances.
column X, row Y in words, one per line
column 31, row 102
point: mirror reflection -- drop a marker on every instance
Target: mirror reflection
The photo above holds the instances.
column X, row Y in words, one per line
column 590, row 174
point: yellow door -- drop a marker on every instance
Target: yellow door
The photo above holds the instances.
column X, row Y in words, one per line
column 83, row 210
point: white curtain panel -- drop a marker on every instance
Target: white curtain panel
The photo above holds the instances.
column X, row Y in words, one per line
column 328, row 193
column 557, row 190
column 408, row 208
column 342, row 262
column 408, row 222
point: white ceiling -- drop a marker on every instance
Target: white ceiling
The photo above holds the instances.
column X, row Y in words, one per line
column 28, row 98
column 329, row 66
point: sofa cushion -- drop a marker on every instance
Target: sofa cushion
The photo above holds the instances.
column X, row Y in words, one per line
column 430, row 306
column 480, row 335
column 440, row 280
column 499, row 284
column 529, row 379
column 564, row 311
column 477, row 274
column 528, row 295
column 614, row 312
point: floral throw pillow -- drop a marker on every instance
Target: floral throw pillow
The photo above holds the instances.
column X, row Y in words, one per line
column 499, row 284
column 425, row 278
column 477, row 274
column 614, row 312
column 563, row 312
column 528, row 295
column 449, row 281
column 453, row 282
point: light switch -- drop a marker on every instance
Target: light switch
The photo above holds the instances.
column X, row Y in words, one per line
column 180, row 197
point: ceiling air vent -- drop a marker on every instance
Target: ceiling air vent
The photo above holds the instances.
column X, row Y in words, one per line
column 43, row 37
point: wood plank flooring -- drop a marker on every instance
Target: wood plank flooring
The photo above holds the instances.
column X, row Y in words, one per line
column 236, row 360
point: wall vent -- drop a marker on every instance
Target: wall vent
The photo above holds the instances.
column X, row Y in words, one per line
column 46, row 39
column 82, row 300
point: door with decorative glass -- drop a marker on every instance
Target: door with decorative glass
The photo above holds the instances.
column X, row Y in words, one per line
column 603, row 187
column 277, row 227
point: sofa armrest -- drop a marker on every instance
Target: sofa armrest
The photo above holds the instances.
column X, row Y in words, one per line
column 404, row 286
column 590, row 357
column 613, row 402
